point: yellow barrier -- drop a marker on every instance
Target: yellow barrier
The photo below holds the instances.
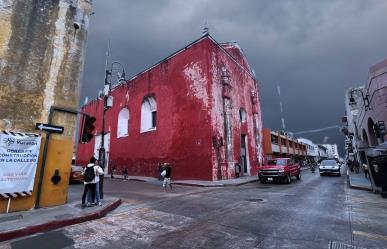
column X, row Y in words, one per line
column 59, row 155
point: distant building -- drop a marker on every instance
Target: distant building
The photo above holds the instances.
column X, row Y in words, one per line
column 331, row 150
column 198, row 110
column 311, row 148
column 322, row 152
column 280, row 144
column 42, row 47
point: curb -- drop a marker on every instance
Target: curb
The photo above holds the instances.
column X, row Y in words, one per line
column 355, row 186
column 58, row 223
column 359, row 187
column 214, row 185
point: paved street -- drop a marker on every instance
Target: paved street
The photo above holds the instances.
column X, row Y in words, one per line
column 312, row 213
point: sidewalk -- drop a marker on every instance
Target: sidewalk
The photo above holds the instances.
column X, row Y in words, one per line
column 222, row 183
column 18, row 224
column 358, row 181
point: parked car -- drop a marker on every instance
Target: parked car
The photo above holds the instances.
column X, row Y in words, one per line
column 279, row 169
column 330, row 166
column 76, row 174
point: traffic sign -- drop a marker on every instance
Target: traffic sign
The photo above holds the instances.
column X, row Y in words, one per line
column 49, row 128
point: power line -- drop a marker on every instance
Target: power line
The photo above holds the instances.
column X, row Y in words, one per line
column 317, row 130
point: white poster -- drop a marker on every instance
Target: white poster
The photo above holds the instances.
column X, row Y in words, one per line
column 19, row 155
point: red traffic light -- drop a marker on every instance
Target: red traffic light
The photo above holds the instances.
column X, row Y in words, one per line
column 88, row 128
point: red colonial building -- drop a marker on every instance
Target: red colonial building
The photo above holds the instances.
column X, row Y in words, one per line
column 197, row 109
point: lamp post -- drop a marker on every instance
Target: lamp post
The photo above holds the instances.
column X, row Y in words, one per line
column 365, row 99
column 108, row 103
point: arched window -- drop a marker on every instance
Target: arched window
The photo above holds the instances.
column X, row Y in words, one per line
column 123, row 123
column 242, row 115
column 148, row 114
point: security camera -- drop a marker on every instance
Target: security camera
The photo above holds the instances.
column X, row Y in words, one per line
column 76, row 26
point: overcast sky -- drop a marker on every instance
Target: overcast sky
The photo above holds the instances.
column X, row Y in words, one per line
column 312, row 49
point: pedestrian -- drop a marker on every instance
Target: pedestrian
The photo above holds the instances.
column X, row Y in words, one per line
column 167, row 176
column 95, row 199
column 356, row 166
column 113, row 172
column 126, row 173
column 161, row 169
column 89, row 183
column 350, row 165
column 366, row 170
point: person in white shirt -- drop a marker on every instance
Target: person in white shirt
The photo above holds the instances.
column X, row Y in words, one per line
column 91, row 181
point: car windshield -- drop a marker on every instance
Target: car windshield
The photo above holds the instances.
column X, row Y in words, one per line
column 280, row 162
column 328, row 163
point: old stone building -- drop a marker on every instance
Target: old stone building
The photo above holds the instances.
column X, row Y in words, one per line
column 42, row 45
column 197, row 109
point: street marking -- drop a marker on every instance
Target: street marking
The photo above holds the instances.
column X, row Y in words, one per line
column 370, row 235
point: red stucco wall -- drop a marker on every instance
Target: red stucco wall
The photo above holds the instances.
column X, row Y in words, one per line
column 188, row 91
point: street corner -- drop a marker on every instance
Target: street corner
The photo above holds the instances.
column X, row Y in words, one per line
column 139, row 227
column 44, row 220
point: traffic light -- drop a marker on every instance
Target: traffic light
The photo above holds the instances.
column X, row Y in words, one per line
column 87, row 129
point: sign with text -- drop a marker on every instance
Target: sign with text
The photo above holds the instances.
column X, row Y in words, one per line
column 19, row 153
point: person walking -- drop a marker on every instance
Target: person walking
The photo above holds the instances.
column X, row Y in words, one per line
column 167, row 176
column 98, row 172
column 113, row 172
column 126, row 173
column 161, row 169
column 366, row 170
column 89, row 176
column 356, row 166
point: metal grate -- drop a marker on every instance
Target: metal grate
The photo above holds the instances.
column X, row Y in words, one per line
column 340, row 245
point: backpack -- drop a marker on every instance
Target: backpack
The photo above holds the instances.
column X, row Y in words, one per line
column 89, row 174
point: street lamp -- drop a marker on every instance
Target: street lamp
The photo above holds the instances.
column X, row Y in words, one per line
column 108, row 103
column 365, row 99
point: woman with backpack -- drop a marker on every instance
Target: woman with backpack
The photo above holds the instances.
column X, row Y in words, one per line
column 91, row 182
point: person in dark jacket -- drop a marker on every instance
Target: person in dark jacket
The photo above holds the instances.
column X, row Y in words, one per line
column 167, row 177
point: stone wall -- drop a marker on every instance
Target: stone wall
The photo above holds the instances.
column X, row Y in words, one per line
column 41, row 60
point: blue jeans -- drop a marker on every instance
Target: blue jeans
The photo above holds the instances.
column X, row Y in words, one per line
column 97, row 196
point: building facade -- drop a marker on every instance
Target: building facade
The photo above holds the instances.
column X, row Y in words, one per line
column 198, row 110
column 311, row 149
column 351, row 131
column 322, row 152
column 279, row 144
column 42, row 45
column 366, row 118
column 332, row 150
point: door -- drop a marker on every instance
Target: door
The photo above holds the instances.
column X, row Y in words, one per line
column 244, row 155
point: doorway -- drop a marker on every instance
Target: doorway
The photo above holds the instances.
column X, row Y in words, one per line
column 244, row 155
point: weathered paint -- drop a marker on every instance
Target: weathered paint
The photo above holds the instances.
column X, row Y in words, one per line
column 41, row 60
column 189, row 92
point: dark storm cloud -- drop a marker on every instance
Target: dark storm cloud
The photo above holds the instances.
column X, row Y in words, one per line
column 312, row 49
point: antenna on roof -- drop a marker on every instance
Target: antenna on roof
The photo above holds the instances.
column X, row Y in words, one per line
column 205, row 29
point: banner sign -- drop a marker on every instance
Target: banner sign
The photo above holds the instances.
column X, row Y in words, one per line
column 19, row 153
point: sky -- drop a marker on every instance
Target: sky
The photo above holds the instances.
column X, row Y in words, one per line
column 312, row 49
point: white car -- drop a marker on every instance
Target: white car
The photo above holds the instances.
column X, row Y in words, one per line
column 329, row 167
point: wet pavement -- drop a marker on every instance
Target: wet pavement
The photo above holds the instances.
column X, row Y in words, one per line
column 316, row 212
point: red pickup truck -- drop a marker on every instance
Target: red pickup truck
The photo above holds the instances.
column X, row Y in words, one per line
column 279, row 169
